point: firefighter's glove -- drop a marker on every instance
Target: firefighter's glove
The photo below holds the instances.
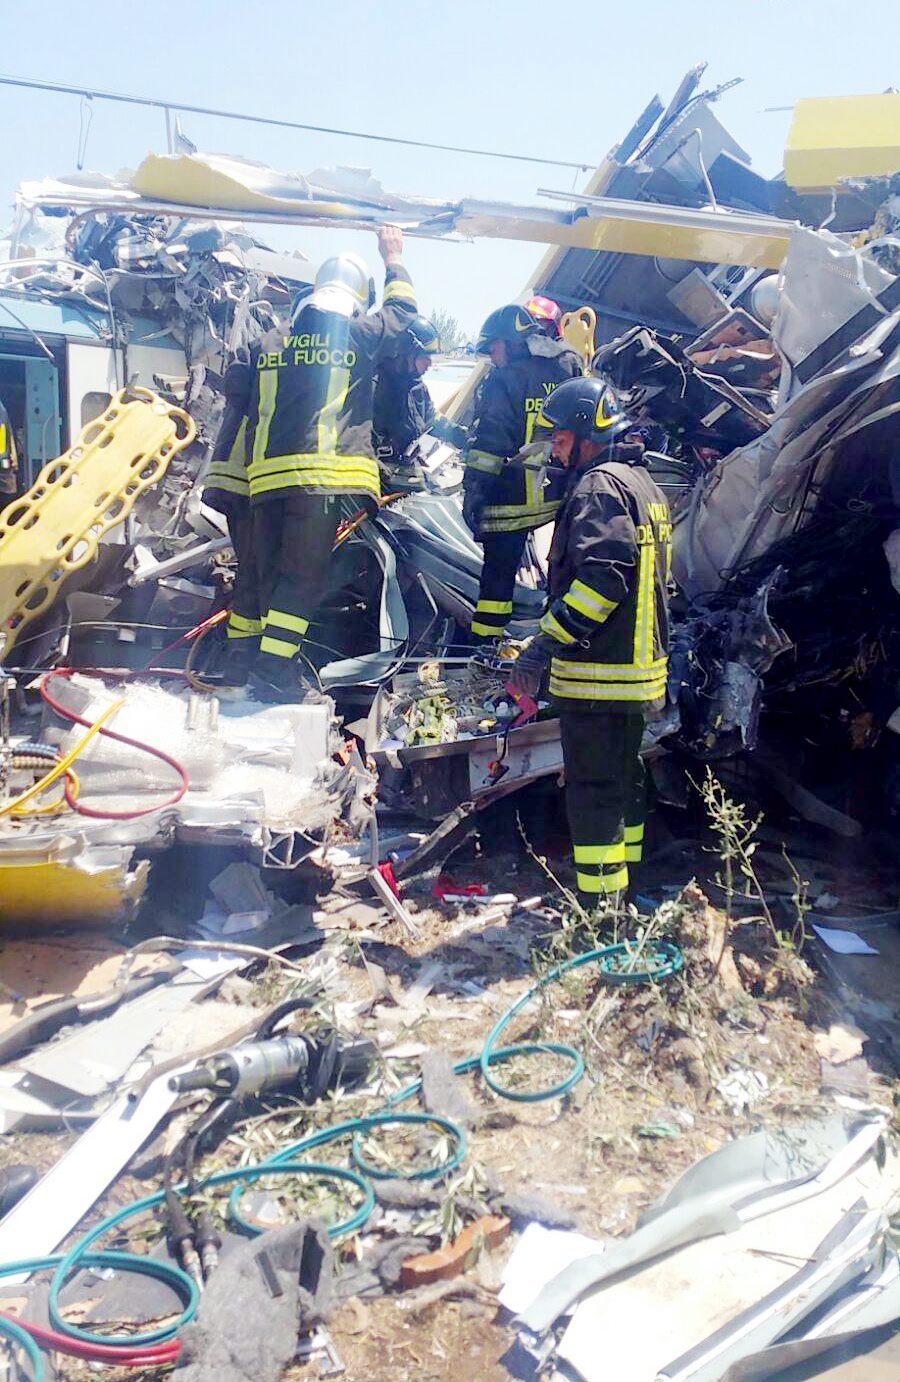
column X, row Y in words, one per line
column 528, row 673
column 448, row 431
column 474, row 500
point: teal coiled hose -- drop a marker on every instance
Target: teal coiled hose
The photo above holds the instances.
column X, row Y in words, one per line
column 618, row 965
column 20, row 1337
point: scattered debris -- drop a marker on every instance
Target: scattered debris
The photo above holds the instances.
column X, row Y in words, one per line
column 842, row 1042
column 663, row 1104
column 282, row 1283
column 456, row 1256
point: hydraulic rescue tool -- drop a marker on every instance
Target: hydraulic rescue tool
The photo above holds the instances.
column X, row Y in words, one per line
column 306, row 1065
column 312, row 1064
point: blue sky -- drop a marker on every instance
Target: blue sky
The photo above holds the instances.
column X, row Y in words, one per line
column 554, row 80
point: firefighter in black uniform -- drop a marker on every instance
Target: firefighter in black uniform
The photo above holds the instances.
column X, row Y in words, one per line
column 227, row 490
column 403, row 409
column 309, row 442
column 605, row 630
column 504, row 501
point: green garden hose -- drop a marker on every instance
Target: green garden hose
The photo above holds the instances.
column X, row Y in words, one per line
column 617, row 964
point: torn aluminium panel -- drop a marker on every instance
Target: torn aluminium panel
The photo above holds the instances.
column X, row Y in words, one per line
column 839, row 137
column 166, row 184
column 740, row 1183
column 61, row 1198
column 770, row 487
column 66, row 879
column 737, row 1221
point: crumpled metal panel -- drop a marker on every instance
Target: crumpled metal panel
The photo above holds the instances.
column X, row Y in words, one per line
column 393, row 626
column 834, row 137
column 824, row 283
column 51, row 891
column 238, row 184
column 433, row 539
column 759, row 493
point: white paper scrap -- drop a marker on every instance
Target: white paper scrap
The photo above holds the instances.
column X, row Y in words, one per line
column 844, row 942
column 540, row 1255
column 212, row 964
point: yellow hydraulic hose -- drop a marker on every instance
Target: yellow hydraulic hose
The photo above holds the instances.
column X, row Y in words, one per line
column 50, row 808
column 58, row 769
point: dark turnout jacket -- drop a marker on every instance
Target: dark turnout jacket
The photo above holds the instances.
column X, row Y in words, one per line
column 311, row 397
column 403, row 410
column 610, row 562
column 226, row 483
column 508, row 417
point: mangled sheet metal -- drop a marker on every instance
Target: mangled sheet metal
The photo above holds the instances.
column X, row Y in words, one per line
column 63, row 877
column 742, row 1251
column 612, row 225
column 208, row 184
column 230, row 184
column 693, row 405
column 836, row 137
column 682, row 156
column 841, row 419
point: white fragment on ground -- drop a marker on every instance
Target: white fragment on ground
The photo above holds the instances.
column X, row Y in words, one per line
column 841, row 1043
column 743, row 1089
column 844, row 942
column 539, row 1255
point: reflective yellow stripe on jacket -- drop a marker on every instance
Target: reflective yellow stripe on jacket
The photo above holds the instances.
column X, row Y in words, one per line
column 328, row 473
column 607, row 681
column 230, row 474
column 511, row 518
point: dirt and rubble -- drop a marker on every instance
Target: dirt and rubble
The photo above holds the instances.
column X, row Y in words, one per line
column 673, row 1071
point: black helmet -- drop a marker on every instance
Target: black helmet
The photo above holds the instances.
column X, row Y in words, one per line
column 589, row 407
column 511, row 324
column 421, row 338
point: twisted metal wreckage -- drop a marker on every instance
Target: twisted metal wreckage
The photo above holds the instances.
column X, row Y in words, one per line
column 759, row 355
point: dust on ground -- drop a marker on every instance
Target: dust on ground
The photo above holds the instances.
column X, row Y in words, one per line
column 666, row 1067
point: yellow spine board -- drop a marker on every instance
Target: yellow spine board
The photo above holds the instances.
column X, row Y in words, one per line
column 54, row 528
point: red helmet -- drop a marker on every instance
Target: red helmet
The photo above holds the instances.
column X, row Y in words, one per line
column 547, row 312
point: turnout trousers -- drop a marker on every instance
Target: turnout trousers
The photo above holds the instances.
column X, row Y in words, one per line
column 293, row 537
column 502, row 558
column 605, row 797
column 244, row 622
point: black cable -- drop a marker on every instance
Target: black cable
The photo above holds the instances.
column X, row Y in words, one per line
column 82, row 91
column 106, row 624
column 212, row 1117
column 278, row 1014
column 301, row 657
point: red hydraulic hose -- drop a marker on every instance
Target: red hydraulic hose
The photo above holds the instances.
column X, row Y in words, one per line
column 95, row 812
column 203, row 627
column 151, row 1355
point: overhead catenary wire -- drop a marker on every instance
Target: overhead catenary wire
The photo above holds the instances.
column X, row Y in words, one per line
column 159, row 103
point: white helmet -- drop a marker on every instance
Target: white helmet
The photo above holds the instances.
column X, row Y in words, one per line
column 343, row 285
